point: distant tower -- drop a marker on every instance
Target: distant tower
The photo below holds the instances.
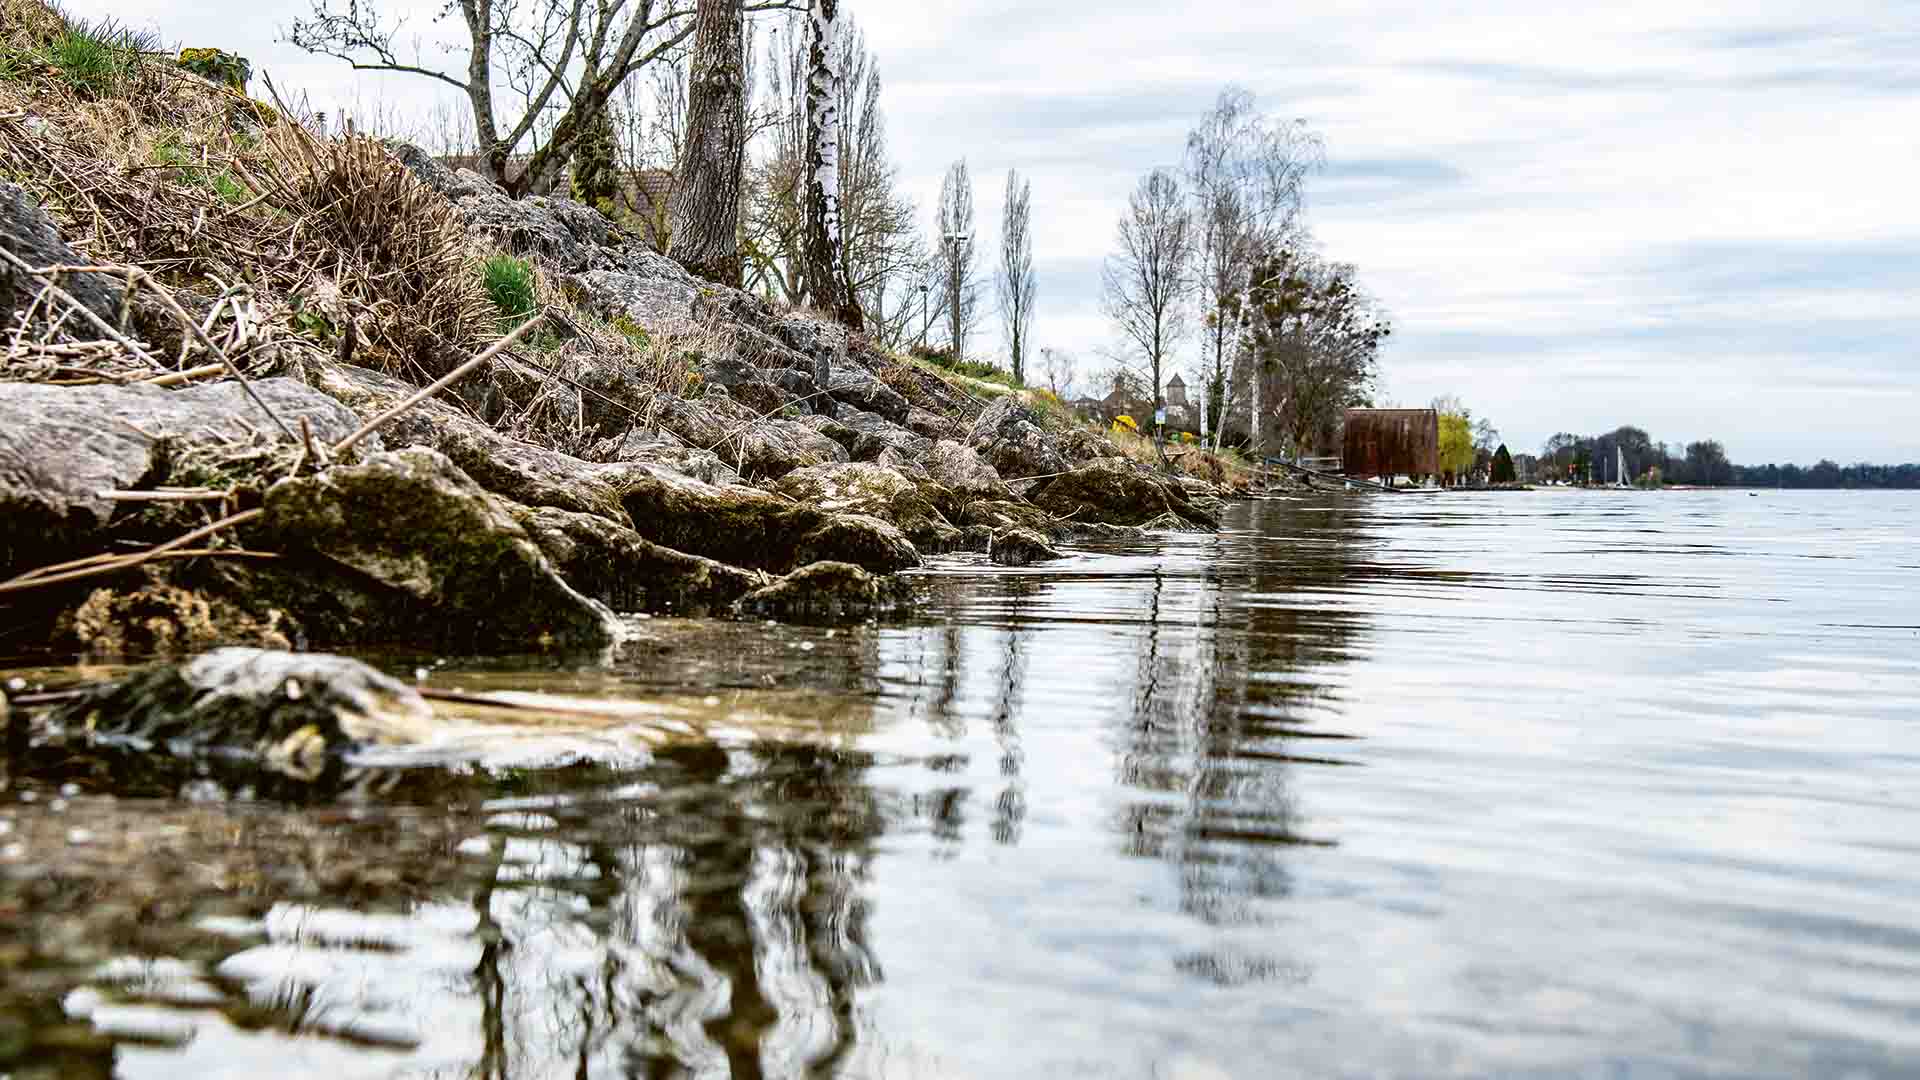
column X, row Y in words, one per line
column 1176, row 392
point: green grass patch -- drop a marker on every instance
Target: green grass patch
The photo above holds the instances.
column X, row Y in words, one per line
column 95, row 59
column 92, row 67
column 509, row 282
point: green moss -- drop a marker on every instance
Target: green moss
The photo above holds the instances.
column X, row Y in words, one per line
column 228, row 188
column 224, row 68
column 633, row 331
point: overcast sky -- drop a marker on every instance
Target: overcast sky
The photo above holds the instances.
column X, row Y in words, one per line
column 1700, row 218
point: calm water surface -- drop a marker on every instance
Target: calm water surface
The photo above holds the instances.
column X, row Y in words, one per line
column 1550, row 784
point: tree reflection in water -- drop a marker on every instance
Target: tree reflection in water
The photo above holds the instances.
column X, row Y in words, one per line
column 1233, row 674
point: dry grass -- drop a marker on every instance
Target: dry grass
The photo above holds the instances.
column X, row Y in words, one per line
column 404, row 271
column 218, row 198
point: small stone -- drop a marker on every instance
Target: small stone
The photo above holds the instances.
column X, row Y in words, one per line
column 70, row 790
column 79, row 836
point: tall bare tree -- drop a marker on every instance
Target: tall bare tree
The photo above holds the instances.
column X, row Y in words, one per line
column 1247, row 176
column 880, row 252
column 1146, row 282
column 1015, row 277
column 562, row 60
column 953, row 233
column 706, row 194
column 826, row 285
column 1060, row 368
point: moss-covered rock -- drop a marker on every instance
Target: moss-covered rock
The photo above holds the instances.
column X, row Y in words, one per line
column 293, row 714
column 1120, row 492
column 421, row 529
column 876, row 491
column 748, row 527
column 612, row 564
column 828, row 591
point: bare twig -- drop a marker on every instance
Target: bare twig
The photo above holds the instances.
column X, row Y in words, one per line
column 439, row 384
column 128, row 562
column 185, row 495
column 206, row 340
column 99, row 323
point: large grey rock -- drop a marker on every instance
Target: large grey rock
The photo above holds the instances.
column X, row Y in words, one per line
column 455, row 184
column 650, row 289
column 288, row 713
column 526, row 227
column 1010, row 437
column 860, row 388
column 751, row 443
column 554, row 229
column 963, row 471
column 27, row 232
column 930, row 425
column 461, row 571
column 865, row 436
column 748, row 527
column 61, row 447
column 875, row 491
column 745, row 383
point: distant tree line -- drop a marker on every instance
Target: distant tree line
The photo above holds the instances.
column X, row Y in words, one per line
column 1703, row 463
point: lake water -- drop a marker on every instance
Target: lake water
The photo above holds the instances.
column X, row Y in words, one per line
column 1536, row 784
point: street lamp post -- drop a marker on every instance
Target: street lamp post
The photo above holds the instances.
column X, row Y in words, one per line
column 923, row 316
column 953, row 242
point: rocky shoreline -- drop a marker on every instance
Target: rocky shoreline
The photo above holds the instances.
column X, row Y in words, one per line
column 523, row 507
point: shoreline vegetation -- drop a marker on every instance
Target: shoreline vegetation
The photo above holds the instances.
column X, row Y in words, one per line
column 264, row 386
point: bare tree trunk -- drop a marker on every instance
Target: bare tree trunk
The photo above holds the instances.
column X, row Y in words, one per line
column 825, row 286
column 706, row 196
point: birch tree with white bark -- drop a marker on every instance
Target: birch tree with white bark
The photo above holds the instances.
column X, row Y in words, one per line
column 1247, row 176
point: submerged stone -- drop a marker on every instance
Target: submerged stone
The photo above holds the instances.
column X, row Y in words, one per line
column 289, row 713
column 1021, row 547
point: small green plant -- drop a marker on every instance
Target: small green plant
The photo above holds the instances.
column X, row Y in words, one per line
column 222, row 67
column 92, row 66
column 509, row 282
column 15, row 64
column 633, row 331
column 229, row 189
